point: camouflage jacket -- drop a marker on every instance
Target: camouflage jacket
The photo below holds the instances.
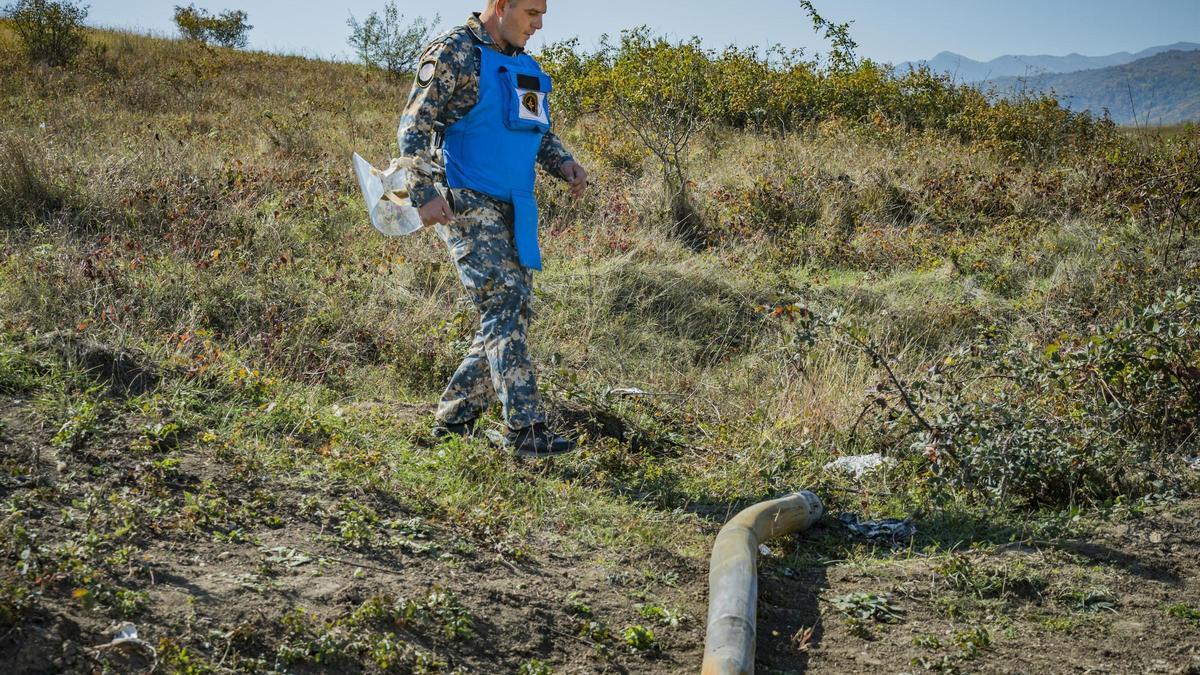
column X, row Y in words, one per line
column 444, row 91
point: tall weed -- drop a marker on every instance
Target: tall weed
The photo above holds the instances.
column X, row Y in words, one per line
column 27, row 192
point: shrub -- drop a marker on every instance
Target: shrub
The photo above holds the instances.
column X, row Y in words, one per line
column 610, row 142
column 772, row 90
column 1026, row 127
column 841, row 45
column 228, row 29
column 50, row 30
column 573, row 71
column 658, row 89
column 666, row 91
column 1088, row 418
column 389, row 43
column 1159, row 184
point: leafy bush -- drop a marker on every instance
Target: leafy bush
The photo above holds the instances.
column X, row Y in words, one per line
column 610, row 142
column 1159, row 183
column 1089, row 418
column 657, row 89
column 666, row 91
column 50, row 30
column 228, row 29
column 841, row 45
column 1026, row 127
column 389, row 43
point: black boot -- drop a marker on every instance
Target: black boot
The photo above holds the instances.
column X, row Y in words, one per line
column 537, row 441
column 443, row 430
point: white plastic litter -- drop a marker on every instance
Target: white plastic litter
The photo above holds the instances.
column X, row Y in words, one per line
column 125, row 636
column 386, row 196
column 627, row 391
column 859, row 464
column 284, row 555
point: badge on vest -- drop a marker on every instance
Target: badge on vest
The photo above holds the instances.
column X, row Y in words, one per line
column 528, row 108
column 532, row 106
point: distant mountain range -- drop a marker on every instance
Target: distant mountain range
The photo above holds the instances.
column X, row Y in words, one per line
column 1162, row 89
column 1156, row 86
column 963, row 69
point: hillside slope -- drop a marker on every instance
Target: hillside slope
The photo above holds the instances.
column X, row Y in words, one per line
column 1160, row 90
column 964, row 69
column 216, row 385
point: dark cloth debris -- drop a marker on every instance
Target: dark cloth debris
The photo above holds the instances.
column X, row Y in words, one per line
column 891, row 530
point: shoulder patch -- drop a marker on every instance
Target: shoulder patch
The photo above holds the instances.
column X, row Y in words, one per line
column 425, row 72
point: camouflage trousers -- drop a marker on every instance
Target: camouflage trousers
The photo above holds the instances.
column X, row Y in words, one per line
column 497, row 365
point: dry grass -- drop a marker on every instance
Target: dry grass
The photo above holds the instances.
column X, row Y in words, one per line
column 198, row 206
column 186, row 191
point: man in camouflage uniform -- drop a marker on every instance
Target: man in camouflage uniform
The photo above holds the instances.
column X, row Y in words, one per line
column 478, row 228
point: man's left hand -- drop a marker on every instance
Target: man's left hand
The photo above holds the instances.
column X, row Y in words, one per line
column 576, row 176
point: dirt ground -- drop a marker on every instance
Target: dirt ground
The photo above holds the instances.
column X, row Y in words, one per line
column 1095, row 604
column 217, row 600
column 1100, row 603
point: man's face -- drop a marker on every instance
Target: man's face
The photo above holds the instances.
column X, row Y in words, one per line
column 520, row 19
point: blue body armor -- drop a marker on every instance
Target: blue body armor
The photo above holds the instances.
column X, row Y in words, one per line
column 493, row 148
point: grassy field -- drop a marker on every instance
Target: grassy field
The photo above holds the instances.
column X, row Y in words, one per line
column 216, row 383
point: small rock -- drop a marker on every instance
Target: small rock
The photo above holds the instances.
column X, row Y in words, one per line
column 1128, row 628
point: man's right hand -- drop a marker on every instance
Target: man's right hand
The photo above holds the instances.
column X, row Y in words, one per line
column 436, row 211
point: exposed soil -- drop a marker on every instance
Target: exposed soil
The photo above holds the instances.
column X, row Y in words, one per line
column 1097, row 604
column 213, row 598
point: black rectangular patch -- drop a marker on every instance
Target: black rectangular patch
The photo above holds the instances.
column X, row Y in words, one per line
column 529, row 82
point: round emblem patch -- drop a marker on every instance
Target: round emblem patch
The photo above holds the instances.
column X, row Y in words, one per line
column 530, row 102
column 425, row 72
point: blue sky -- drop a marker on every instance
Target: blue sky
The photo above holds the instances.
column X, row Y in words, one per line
column 886, row 30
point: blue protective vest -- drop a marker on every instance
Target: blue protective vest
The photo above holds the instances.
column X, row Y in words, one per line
column 494, row 147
